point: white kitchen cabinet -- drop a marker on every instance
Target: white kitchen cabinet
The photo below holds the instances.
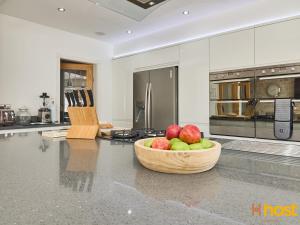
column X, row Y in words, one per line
column 157, row 58
column 194, row 84
column 277, row 43
column 232, row 50
column 122, row 91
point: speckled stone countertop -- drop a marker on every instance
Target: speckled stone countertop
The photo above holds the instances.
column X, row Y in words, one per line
column 45, row 181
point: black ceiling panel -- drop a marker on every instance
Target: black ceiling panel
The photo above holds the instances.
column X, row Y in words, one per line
column 146, row 3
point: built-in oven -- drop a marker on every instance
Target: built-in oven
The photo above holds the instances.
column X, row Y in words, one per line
column 232, row 103
column 245, row 102
column 281, row 82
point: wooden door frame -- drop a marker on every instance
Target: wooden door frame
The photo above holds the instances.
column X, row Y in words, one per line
column 89, row 68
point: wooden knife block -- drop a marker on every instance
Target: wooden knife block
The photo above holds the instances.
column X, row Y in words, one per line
column 84, row 123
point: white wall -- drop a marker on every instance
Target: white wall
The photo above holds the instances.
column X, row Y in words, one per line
column 29, row 63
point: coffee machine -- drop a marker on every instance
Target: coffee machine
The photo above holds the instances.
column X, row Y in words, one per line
column 44, row 114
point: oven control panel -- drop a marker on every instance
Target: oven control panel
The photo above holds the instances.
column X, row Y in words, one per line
column 231, row 75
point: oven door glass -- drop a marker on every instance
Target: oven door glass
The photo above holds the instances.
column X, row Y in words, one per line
column 235, row 118
column 232, row 110
column 282, row 86
column 236, row 89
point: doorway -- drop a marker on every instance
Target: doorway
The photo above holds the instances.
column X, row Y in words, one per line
column 74, row 76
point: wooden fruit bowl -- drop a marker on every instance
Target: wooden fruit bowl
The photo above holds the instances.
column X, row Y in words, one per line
column 180, row 162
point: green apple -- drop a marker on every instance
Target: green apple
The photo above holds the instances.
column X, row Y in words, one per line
column 148, row 143
column 180, row 146
column 196, row 146
column 206, row 143
column 174, row 140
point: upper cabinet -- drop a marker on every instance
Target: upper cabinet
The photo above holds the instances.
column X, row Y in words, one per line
column 278, row 43
column 122, row 94
column 156, row 58
column 193, row 94
column 232, row 50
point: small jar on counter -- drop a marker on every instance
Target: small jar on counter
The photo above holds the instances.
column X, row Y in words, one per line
column 23, row 116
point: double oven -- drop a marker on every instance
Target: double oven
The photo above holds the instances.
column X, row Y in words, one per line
column 242, row 102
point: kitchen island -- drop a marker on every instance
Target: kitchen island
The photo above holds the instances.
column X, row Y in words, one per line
column 48, row 181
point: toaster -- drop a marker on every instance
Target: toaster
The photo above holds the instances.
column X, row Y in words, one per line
column 7, row 115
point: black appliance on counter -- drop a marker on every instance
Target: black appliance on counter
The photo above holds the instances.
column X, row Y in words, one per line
column 242, row 102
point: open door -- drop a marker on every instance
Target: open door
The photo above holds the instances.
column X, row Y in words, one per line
column 73, row 76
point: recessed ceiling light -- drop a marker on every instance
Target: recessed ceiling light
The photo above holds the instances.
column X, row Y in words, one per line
column 61, row 9
column 129, row 32
column 151, row 3
column 186, row 12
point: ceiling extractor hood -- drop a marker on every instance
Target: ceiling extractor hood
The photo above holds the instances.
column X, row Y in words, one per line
column 146, row 3
column 134, row 9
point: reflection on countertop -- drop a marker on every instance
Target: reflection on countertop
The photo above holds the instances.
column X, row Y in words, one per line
column 77, row 164
column 32, row 125
column 101, row 182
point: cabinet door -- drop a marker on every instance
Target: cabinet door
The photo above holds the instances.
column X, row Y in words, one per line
column 156, row 58
column 122, row 92
column 194, row 84
column 278, row 43
column 233, row 50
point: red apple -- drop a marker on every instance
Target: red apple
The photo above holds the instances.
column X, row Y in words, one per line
column 190, row 134
column 173, row 131
column 161, row 143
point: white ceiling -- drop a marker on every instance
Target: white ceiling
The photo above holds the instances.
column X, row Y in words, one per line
column 206, row 16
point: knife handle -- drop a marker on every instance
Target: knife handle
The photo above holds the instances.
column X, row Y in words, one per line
column 82, row 93
column 91, row 97
column 72, row 98
column 76, row 95
column 68, row 99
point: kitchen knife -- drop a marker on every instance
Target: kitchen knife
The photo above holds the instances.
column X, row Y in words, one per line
column 72, row 98
column 82, row 93
column 68, row 99
column 91, row 97
column 88, row 102
column 76, row 95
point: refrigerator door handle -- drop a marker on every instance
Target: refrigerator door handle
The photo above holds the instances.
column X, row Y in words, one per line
column 146, row 106
column 149, row 105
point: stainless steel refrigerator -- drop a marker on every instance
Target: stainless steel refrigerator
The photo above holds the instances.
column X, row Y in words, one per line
column 155, row 98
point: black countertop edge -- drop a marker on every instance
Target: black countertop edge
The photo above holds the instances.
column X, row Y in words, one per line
column 15, row 127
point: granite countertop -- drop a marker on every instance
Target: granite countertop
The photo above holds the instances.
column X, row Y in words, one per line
column 46, row 181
